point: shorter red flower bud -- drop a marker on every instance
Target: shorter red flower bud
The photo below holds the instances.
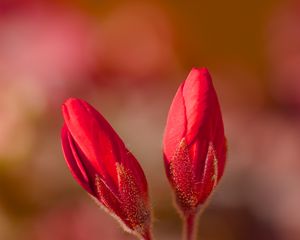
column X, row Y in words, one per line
column 194, row 142
column 102, row 165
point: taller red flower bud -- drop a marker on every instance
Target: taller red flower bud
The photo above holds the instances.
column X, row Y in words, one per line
column 102, row 165
column 194, row 142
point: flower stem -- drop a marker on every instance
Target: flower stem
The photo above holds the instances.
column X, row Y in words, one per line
column 190, row 227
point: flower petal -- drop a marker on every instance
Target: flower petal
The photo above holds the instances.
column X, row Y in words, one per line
column 198, row 95
column 204, row 119
column 77, row 169
column 175, row 127
column 210, row 175
column 94, row 136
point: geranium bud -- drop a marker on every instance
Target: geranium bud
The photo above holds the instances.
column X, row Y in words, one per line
column 194, row 142
column 102, row 165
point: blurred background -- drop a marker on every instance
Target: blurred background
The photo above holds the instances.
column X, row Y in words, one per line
column 127, row 58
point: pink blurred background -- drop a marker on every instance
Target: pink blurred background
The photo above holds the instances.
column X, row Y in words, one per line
column 127, row 59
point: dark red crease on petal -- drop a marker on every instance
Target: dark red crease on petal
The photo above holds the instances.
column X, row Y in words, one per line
column 198, row 152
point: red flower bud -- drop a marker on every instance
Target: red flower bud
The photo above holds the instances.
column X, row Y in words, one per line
column 102, row 165
column 194, row 142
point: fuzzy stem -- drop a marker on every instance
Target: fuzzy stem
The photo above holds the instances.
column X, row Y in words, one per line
column 190, row 226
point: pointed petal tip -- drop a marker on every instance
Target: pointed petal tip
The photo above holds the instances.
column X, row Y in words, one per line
column 67, row 103
column 199, row 74
column 200, row 69
column 70, row 104
column 70, row 101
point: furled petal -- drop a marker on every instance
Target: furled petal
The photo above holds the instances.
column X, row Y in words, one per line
column 198, row 95
column 74, row 163
column 95, row 137
column 220, row 145
column 175, row 127
column 209, row 176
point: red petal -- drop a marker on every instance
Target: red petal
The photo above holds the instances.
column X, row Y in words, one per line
column 198, row 153
column 204, row 119
column 77, row 169
column 198, row 94
column 175, row 127
column 210, row 175
column 219, row 141
column 94, row 136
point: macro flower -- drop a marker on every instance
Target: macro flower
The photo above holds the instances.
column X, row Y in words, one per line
column 103, row 166
column 194, row 143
